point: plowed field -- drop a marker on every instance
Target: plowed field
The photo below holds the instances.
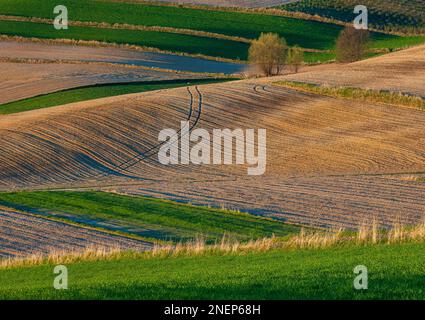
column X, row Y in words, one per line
column 402, row 71
column 23, row 235
column 318, row 152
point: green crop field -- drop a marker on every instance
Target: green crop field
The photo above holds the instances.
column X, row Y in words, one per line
column 309, row 34
column 394, row 272
column 173, row 42
column 156, row 219
column 94, row 92
column 404, row 15
column 305, row 33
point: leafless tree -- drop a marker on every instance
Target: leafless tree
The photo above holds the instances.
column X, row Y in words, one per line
column 351, row 44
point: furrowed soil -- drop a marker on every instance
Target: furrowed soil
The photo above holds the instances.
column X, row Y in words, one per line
column 321, row 152
column 23, row 235
column 50, row 51
column 25, row 80
column 402, row 71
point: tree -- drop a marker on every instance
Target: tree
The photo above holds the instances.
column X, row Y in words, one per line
column 268, row 53
column 351, row 44
column 295, row 58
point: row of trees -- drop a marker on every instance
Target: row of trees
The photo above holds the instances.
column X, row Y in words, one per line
column 270, row 53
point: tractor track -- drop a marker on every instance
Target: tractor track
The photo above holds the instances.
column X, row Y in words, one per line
column 123, row 167
column 148, row 154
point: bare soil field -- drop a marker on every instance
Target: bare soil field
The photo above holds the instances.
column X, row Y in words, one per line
column 402, row 71
column 232, row 3
column 24, row 80
column 23, row 235
column 320, row 151
column 65, row 52
column 324, row 202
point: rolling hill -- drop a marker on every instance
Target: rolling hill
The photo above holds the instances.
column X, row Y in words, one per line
column 401, row 71
column 326, row 157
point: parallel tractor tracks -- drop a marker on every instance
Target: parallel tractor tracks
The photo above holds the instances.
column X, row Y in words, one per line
column 124, row 167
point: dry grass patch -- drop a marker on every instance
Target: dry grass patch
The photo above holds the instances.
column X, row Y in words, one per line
column 306, row 239
column 373, row 96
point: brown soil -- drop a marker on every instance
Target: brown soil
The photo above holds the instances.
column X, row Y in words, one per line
column 330, row 162
column 311, row 141
column 25, row 80
column 402, row 71
column 23, row 235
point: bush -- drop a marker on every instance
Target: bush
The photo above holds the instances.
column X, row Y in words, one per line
column 268, row 53
column 295, row 58
column 351, row 44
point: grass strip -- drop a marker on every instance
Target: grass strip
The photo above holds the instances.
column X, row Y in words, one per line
column 95, row 92
column 165, row 41
column 146, row 217
column 374, row 96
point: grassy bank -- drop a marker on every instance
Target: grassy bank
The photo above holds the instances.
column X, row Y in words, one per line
column 146, row 217
column 357, row 94
column 94, row 92
column 395, row 272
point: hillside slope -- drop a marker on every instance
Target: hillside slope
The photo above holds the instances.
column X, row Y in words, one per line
column 403, row 15
column 402, row 71
column 24, row 235
column 122, row 56
column 24, row 80
column 111, row 144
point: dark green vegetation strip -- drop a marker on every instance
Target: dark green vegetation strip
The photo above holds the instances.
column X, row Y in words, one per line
column 146, row 217
column 94, row 92
column 307, row 34
column 161, row 40
column 403, row 15
column 395, row 272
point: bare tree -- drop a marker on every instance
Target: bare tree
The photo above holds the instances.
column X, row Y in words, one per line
column 351, row 44
column 295, row 58
column 268, row 53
